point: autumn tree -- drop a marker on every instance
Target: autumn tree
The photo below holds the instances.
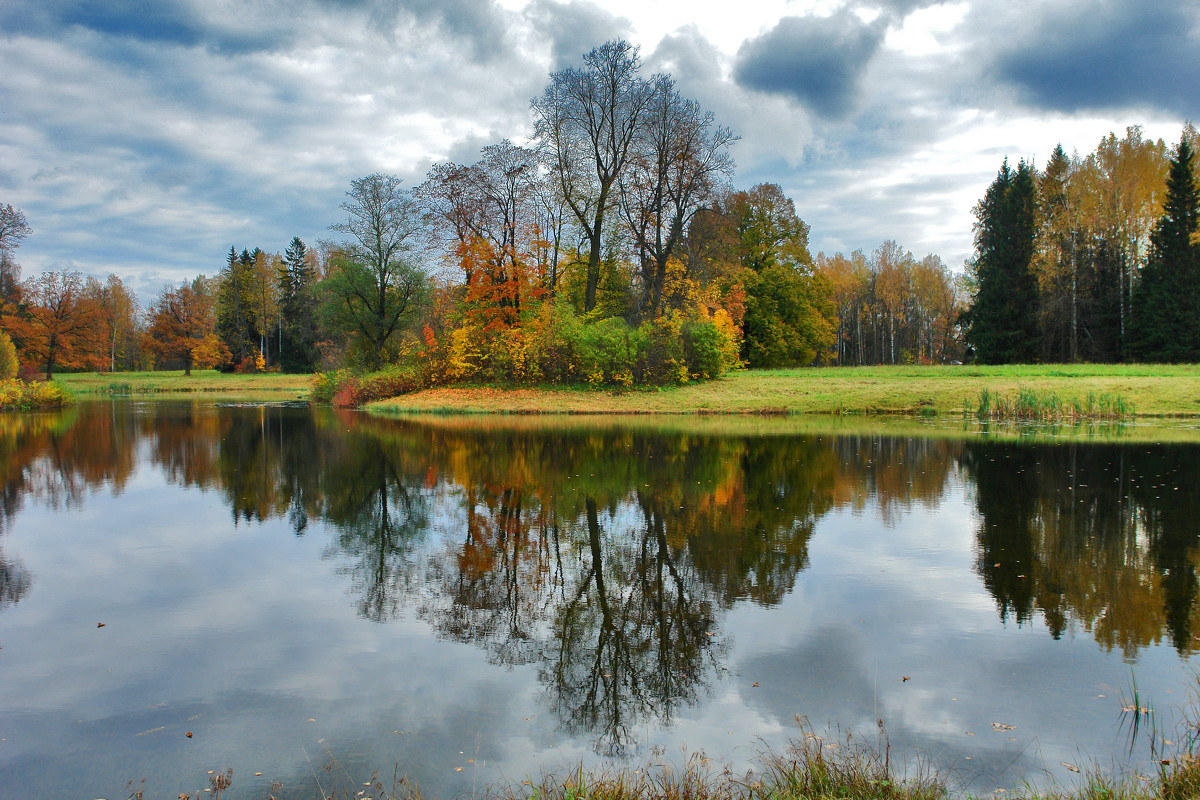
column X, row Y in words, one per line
column 588, row 125
column 119, row 317
column 489, row 214
column 1166, row 304
column 375, row 288
column 183, row 325
column 60, row 324
column 1003, row 319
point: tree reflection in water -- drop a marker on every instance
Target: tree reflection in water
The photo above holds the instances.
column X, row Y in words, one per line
column 606, row 558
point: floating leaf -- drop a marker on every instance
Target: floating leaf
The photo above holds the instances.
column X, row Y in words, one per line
column 1071, row 767
column 1000, row 726
column 189, row 734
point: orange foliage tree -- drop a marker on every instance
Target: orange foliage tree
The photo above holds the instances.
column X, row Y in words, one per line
column 182, row 325
column 57, row 324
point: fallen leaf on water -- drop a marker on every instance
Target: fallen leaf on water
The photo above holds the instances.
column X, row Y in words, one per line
column 99, row 624
column 1168, row 742
column 470, row 761
column 755, row 683
column 968, row 733
column 904, row 678
column 1000, row 726
column 189, row 734
column 258, row 773
column 310, row 719
column 710, row 633
column 1071, row 767
column 458, row 769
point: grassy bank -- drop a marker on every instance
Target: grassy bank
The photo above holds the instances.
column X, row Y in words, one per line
column 210, row 381
column 813, row 768
column 1153, row 390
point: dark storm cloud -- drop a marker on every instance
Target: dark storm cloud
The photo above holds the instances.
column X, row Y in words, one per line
column 259, row 26
column 142, row 20
column 1107, row 55
column 817, row 60
column 574, row 28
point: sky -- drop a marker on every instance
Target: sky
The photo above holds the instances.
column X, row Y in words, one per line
column 146, row 137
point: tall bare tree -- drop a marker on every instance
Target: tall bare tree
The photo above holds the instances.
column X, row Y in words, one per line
column 588, row 125
column 677, row 168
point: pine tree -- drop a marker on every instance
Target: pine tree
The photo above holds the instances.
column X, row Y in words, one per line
column 297, row 304
column 1166, row 303
column 1004, row 320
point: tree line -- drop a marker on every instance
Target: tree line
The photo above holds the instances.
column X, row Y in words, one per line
column 613, row 250
column 1090, row 259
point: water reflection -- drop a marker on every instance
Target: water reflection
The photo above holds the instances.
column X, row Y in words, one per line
column 608, row 558
column 1102, row 537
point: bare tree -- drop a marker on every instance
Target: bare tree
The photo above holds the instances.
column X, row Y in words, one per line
column 678, row 167
column 588, row 124
column 13, row 227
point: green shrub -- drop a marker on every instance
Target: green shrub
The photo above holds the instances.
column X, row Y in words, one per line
column 608, row 352
column 662, row 360
column 704, row 346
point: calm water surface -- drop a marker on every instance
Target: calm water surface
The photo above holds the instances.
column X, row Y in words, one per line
column 472, row 601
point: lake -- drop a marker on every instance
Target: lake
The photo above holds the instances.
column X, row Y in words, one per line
column 307, row 596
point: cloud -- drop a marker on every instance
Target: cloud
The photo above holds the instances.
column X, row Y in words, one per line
column 574, row 28
column 817, row 60
column 1100, row 54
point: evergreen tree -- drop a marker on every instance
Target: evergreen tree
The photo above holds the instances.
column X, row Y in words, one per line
column 235, row 324
column 1166, row 303
column 297, row 305
column 1004, row 318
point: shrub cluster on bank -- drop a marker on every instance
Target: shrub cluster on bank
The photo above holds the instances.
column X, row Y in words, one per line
column 17, row 395
column 555, row 348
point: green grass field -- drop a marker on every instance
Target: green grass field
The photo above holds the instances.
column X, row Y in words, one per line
column 1154, row 390
column 209, row 381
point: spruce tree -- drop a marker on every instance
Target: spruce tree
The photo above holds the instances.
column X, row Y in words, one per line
column 1166, row 303
column 1003, row 321
column 297, row 305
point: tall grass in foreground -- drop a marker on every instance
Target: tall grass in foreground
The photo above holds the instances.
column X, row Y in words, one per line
column 811, row 769
column 1030, row 404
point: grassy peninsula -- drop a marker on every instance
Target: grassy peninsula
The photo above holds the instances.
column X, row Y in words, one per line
column 1153, row 390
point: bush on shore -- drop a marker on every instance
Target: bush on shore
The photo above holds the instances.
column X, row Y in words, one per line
column 16, row 395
